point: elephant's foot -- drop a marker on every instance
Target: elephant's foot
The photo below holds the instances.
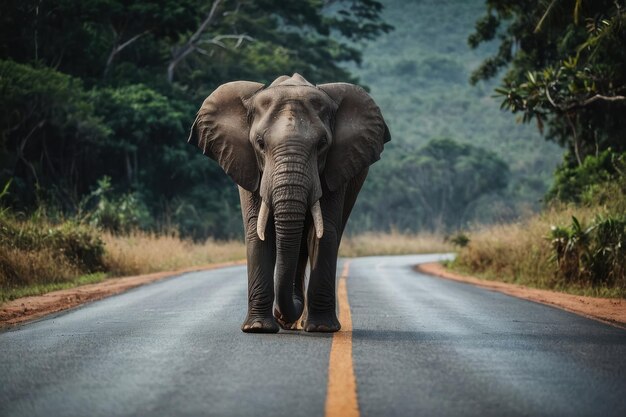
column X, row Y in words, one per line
column 283, row 323
column 255, row 324
column 321, row 322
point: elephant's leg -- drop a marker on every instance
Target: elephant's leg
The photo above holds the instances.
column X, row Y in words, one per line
column 322, row 297
column 321, row 293
column 301, row 271
column 298, row 292
column 261, row 256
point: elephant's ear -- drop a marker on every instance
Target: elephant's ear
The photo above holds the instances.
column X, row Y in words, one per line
column 359, row 133
column 221, row 131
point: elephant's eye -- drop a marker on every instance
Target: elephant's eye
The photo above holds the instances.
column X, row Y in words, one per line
column 323, row 141
column 260, row 142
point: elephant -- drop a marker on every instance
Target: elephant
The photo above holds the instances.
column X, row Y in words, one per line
column 299, row 154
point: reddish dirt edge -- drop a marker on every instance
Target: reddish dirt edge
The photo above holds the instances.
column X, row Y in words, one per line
column 607, row 310
column 25, row 309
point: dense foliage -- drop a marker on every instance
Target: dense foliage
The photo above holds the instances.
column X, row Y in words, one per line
column 593, row 255
column 567, row 69
column 440, row 187
column 585, row 182
column 98, row 96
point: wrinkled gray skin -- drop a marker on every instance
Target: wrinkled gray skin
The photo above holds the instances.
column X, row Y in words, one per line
column 300, row 154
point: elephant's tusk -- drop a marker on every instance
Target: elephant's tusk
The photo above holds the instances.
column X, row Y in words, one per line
column 316, row 211
column 262, row 220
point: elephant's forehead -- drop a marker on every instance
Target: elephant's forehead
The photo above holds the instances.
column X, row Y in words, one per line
column 304, row 94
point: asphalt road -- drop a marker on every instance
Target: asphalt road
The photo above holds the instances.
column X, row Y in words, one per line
column 421, row 346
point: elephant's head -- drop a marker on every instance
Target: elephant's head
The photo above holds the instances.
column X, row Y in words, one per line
column 284, row 140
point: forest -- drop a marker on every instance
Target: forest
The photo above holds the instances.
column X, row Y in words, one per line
column 419, row 73
column 99, row 97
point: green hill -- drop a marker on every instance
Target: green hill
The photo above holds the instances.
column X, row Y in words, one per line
column 419, row 74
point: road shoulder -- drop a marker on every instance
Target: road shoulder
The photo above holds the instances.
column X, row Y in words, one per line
column 607, row 310
column 25, row 309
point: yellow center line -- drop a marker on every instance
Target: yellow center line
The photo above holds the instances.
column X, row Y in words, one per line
column 341, row 399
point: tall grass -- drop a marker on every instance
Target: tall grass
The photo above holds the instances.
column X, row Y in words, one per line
column 524, row 253
column 394, row 243
column 143, row 252
column 22, row 267
column 38, row 255
column 36, row 251
column 139, row 253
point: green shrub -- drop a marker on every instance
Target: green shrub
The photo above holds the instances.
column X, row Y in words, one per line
column 115, row 214
column 80, row 244
column 35, row 250
column 593, row 255
column 584, row 183
column 460, row 239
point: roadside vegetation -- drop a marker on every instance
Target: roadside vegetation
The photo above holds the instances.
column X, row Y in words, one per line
column 393, row 243
column 568, row 77
column 577, row 245
column 39, row 254
column 569, row 249
column 140, row 252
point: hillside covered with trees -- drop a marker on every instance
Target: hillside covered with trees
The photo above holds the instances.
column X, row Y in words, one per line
column 420, row 75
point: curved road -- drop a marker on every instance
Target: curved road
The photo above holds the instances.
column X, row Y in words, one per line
column 421, row 346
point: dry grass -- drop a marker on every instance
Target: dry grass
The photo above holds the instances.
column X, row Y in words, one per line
column 521, row 252
column 23, row 267
column 141, row 253
column 34, row 251
column 37, row 256
column 393, row 243
column 29, row 269
column 512, row 253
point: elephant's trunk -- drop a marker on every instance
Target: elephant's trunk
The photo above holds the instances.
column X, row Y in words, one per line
column 291, row 195
column 289, row 222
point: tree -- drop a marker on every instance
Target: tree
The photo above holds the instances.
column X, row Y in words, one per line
column 47, row 129
column 108, row 89
column 447, row 177
column 261, row 39
column 434, row 188
column 567, row 68
column 187, row 40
